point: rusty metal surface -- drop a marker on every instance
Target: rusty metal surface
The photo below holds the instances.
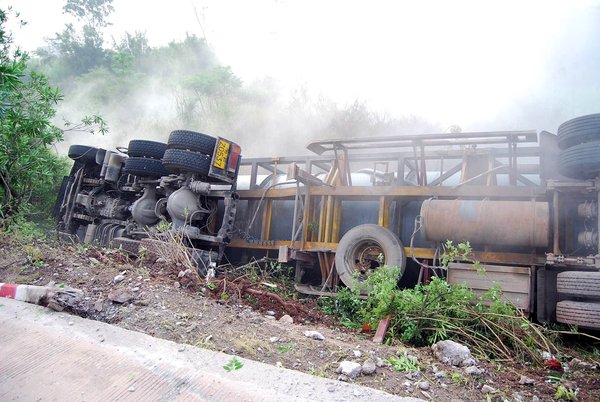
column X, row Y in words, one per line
column 404, row 141
column 407, row 191
column 490, row 223
column 515, row 282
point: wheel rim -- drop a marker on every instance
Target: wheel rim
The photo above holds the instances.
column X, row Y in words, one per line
column 366, row 257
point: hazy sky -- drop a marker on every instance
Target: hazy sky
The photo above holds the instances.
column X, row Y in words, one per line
column 452, row 62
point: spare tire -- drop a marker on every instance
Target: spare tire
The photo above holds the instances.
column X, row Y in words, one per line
column 365, row 248
column 145, row 167
column 146, row 149
column 582, row 314
column 584, row 284
column 192, row 141
column 579, row 130
column 83, row 153
column 581, row 161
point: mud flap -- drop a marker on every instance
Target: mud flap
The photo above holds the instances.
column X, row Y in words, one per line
column 547, row 296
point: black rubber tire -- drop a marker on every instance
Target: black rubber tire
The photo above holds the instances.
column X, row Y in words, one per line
column 361, row 238
column 146, row 149
column 581, row 161
column 579, row 130
column 100, row 154
column 582, row 314
column 83, row 153
column 192, row 141
column 129, row 245
column 584, row 284
column 145, row 167
column 180, row 160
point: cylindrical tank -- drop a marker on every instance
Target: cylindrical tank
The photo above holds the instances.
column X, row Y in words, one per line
column 484, row 222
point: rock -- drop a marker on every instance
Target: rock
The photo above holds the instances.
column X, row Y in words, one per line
column 524, row 380
column 274, row 339
column 546, row 355
column 382, row 363
column 141, row 302
column 131, row 389
column 270, row 317
column 517, row 397
column 535, row 398
column 440, row 374
column 98, row 305
column 135, row 289
column 270, row 312
column 315, row 335
column 357, row 353
column 369, row 367
column 473, row 370
column 576, row 363
column 424, row 385
column 350, row 369
column 286, row 319
column 160, row 260
column 119, row 278
column 426, row 395
column 468, row 362
column 451, row 353
column 94, row 261
column 71, row 323
column 181, row 348
column 486, row 389
column 177, row 285
column 407, row 384
column 568, row 384
column 343, row 377
column 121, row 295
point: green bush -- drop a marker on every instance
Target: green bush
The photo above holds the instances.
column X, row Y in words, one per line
column 438, row 311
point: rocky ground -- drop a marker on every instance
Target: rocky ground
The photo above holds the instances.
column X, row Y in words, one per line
column 162, row 299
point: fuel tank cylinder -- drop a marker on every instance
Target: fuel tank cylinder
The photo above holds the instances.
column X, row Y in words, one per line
column 489, row 223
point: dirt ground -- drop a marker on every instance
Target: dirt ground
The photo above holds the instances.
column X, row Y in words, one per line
column 167, row 302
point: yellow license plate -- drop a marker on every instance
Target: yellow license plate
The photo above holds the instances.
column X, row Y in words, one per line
column 221, row 155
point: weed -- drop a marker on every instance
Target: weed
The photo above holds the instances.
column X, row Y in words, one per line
column 404, row 363
column 34, row 255
column 163, row 226
column 211, row 285
column 286, row 348
column 458, row 378
column 565, row 394
column 251, row 300
column 460, row 252
column 233, row 364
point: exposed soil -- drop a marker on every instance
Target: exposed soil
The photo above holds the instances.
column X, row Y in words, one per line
column 166, row 304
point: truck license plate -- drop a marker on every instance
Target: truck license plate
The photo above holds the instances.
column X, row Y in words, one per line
column 222, row 152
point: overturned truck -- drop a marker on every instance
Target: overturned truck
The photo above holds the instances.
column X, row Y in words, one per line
column 527, row 202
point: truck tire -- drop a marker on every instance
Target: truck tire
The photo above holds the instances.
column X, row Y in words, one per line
column 82, row 153
column 579, row 130
column 583, row 284
column 581, row 161
column 359, row 250
column 582, row 314
column 180, row 160
column 129, row 245
column 146, row 149
column 145, row 167
column 192, row 141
